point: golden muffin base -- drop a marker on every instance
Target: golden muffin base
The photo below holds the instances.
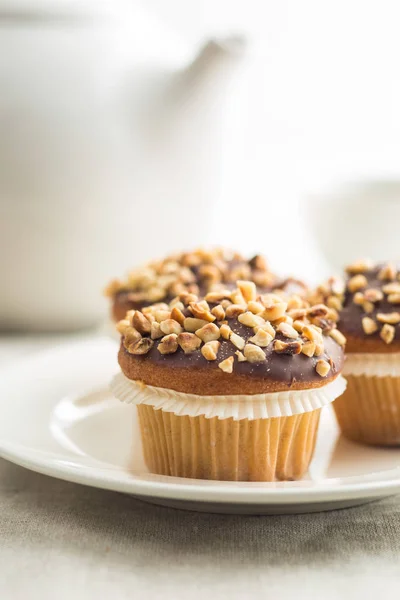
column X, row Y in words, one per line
column 276, row 449
column 368, row 412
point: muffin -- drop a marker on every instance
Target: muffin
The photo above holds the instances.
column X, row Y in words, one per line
column 195, row 272
column 230, row 387
column 368, row 304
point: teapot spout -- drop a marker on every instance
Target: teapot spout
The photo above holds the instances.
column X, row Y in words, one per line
column 217, row 60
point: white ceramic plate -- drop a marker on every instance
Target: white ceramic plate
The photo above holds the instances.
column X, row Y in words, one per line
column 58, row 418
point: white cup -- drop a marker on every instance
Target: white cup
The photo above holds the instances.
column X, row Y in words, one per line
column 356, row 220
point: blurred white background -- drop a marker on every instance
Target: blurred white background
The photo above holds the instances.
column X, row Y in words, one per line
column 86, row 191
column 322, row 96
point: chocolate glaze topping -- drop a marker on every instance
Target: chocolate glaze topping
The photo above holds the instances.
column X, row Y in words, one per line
column 286, row 368
column 367, row 302
column 351, row 315
column 274, row 337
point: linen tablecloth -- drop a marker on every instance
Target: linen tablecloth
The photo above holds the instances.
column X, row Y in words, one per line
column 59, row 540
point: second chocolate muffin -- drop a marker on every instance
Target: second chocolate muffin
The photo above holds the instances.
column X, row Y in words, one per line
column 367, row 301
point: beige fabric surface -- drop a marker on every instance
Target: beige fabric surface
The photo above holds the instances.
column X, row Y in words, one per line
column 61, row 540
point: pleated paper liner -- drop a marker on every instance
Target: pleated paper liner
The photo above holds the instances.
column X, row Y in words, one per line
column 369, row 410
column 185, row 436
column 372, row 364
column 255, row 406
column 280, row 448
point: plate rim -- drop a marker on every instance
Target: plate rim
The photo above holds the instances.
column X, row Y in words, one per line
column 197, row 490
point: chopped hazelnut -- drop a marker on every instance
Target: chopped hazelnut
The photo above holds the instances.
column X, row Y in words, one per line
column 113, row 288
column 334, row 302
column 392, row 318
column 388, row 272
column 191, row 324
column 210, row 272
column 387, row 333
column 318, row 310
column 275, row 311
column 358, row 298
column 269, row 299
column 238, row 298
column 391, row 288
column 227, row 365
column 369, row 325
column 225, row 331
column 140, row 322
column 122, row 326
column 210, row 350
column 338, row 336
column 155, row 293
column 234, row 310
column 253, row 353
column 374, row 295
column 208, row 332
column 170, row 326
column 394, row 298
column 177, row 315
column 218, row 312
column 333, row 315
column 156, row 332
column 216, row 297
column 168, row 344
column 162, row 315
column 176, row 303
column 225, row 303
column 258, row 262
column 368, row 307
column 131, row 336
column 287, row 330
column 308, row 348
column 262, row 338
column 265, row 327
column 189, row 342
column 322, row 367
column 255, row 307
column 287, row 347
column 319, row 349
column 187, row 298
column 311, row 332
column 250, row 320
column 241, row 356
column 299, row 325
column 237, row 341
column 357, row 282
column 359, row 266
column 295, row 302
column 201, row 312
column 248, row 289
column 297, row 313
column 142, row 346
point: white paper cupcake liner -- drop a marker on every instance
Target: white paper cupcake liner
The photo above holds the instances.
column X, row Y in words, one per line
column 257, row 406
column 373, row 365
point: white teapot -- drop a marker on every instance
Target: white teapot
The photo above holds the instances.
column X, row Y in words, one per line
column 111, row 138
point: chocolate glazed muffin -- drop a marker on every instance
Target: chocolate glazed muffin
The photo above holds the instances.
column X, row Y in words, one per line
column 230, row 387
column 368, row 305
column 197, row 272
